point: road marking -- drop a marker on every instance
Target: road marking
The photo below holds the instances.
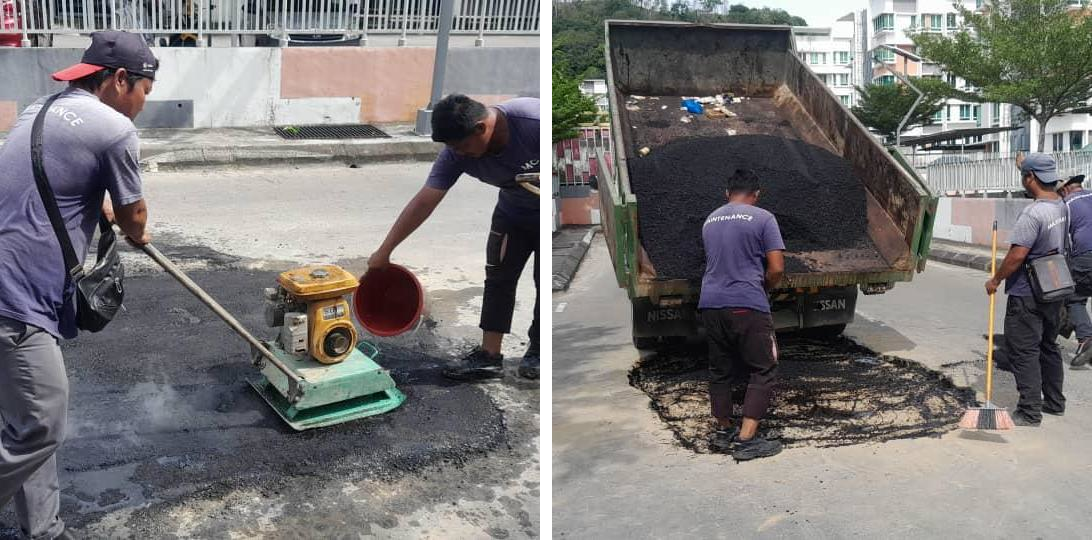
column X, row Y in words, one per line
column 561, row 307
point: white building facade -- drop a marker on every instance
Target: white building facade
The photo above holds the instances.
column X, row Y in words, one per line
column 892, row 22
column 832, row 53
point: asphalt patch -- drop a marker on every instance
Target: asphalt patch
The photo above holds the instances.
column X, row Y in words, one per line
column 828, row 394
column 160, row 410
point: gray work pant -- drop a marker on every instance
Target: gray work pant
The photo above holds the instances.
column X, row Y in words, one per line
column 33, row 410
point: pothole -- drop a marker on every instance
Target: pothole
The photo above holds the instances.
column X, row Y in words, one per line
column 828, row 394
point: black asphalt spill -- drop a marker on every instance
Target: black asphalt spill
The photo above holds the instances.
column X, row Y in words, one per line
column 828, row 394
column 160, row 409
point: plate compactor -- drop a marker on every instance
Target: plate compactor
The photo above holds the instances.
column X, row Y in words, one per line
column 316, row 372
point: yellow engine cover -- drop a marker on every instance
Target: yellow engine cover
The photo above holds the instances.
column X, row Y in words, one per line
column 331, row 335
column 317, row 282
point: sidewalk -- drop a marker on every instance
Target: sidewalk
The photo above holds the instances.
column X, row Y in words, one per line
column 570, row 245
column 965, row 255
column 188, row 148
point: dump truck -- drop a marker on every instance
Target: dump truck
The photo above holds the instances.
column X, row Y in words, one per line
column 759, row 70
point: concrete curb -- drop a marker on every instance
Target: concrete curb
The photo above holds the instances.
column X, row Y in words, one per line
column 371, row 152
column 957, row 258
column 567, row 260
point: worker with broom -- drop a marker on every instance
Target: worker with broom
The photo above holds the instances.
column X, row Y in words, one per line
column 1032, row 325
column 496, row 145
column 89, row 148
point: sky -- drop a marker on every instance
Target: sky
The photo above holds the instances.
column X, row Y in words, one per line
column 817, row 13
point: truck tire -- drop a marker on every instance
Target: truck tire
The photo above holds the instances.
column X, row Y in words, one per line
column 824, row 332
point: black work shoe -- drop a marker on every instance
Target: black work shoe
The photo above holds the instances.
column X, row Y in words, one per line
column 723, row 439
column 528, row 367
column 477, row 366
column 756, row 447
column 1084, row 353
column 1021, row 418
column 1054, row 412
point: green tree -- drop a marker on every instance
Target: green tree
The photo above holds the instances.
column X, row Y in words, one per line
column 1034, row 54
column 571, row 107
column 883, row 106
column 578, row 27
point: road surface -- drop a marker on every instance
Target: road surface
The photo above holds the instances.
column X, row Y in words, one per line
column 619, row 473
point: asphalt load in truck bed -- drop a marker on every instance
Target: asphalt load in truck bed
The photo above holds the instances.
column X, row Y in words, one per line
column 820, row 205
column 828, row 394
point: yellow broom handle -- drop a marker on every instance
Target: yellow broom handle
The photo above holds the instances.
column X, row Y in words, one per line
column 989, row 350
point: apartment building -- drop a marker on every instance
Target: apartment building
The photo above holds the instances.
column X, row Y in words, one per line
column 892, row 22
column 832, row 53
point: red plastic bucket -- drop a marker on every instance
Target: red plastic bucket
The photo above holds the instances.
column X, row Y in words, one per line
column 389, row 302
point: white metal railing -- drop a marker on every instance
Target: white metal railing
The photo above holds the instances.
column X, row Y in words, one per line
column 997, row 173
column 200, row 17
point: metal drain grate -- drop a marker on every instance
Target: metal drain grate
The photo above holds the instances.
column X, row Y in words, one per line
column 346, row 131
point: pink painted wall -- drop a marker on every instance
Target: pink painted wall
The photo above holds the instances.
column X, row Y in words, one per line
column 392, row 83
column 9, row 111
column 577, row 211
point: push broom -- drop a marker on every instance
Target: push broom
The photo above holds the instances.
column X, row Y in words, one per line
column 989, row 416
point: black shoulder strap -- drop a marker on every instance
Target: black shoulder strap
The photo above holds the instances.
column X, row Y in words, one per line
column 71, row 262
column 1068, row 232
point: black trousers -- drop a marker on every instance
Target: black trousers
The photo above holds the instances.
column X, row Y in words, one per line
column 509, row 247
column 742, row 347
column 1031, row 334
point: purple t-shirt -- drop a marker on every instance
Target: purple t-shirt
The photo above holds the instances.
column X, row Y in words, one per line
column 88, row 149
column 1080, row 220
column 520, row 156
column 737, row 238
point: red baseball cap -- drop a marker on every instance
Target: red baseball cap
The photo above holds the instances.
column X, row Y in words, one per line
column 116, row 50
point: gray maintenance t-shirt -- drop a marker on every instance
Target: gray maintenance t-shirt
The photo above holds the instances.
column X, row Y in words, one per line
column 1040, row 228
column 521, row 155
column 737, row 238
column 89, row 149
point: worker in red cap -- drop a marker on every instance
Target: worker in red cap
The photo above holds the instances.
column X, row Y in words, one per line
column 89, row 149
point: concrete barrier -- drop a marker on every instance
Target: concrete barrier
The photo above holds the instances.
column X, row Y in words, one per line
column 256, row 86
column 970, row 220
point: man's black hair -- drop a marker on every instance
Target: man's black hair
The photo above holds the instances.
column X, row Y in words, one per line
column 743, row 182
column 454, row 118
column 93, row 82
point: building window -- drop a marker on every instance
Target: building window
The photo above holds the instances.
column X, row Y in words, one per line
column 951, row 79
column 885, row 55
column 841, row 57
column 817, row 58
column 822, row 78
column 913, row 22
column 887, row 80
column 951, row 21
column 845, row 100
column 1076, row 140
column 938, row 116
column 885, row 21
column 995, row 114
column 935, row 22
column 948, row 112
column 1057, row 141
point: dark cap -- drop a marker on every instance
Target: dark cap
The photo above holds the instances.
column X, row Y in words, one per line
column 116, row 50
column 1078, row 179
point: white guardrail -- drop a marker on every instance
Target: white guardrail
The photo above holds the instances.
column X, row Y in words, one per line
column 269, row 17
column 998, row 173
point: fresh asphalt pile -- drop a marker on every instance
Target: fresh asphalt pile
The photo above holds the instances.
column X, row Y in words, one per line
column 160, row 411
column 828, row 394
column 818, row 202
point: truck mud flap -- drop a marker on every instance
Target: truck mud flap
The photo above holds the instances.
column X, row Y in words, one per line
column 650, row 320
column 827, row 307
